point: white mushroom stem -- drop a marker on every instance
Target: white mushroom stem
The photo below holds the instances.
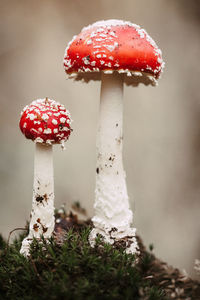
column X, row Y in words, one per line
column 42, row 215
column 113, row 216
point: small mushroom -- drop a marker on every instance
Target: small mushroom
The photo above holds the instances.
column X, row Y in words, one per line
column 115, row 52
column 46, row 122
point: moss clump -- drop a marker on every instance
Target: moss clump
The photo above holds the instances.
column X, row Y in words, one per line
column 66, row 267
column 73, row 270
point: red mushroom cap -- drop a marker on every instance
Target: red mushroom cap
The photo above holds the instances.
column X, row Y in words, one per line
column 113, row 45
column 45, row 121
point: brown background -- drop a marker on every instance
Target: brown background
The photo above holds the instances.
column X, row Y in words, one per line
column 161, row 125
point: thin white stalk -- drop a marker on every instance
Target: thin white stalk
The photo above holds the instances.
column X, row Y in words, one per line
column 113, row 216
column 42, row 215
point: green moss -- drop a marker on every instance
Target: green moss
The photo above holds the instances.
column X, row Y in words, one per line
column 72, row 271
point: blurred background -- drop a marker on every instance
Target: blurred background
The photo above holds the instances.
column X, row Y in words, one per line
column 161, row 125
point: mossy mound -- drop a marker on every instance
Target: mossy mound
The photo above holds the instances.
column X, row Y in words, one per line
column 66, row 267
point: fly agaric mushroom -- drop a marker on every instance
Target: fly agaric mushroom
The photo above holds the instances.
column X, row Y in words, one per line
column 116, row 52
column 46, row 122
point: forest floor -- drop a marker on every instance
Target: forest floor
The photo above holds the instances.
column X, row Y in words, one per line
column 66, row 267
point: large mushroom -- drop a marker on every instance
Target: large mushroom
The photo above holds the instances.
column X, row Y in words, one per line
column 115, row 52
column 46, row 122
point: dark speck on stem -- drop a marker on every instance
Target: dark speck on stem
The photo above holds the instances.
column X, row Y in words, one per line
column 45, row 197
column 39, row 199
column 44, row 229
column 35, row 227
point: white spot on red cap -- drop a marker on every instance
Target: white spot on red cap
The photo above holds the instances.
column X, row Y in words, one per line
column 86, row 60
column 49, row 142
column 89, row 42
column 112, row 33
column 65, row 128
column 38, row 140
column 45, row 117
column 63, row 120
column 103, row 35
column 100, row 30
column 112, row 47
column 47, row 131
column 108, row 65
column 54, row 122
column 31, row 116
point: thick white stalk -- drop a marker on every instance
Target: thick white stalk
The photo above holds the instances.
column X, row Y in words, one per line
column 42, row 215
column 113, row 216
